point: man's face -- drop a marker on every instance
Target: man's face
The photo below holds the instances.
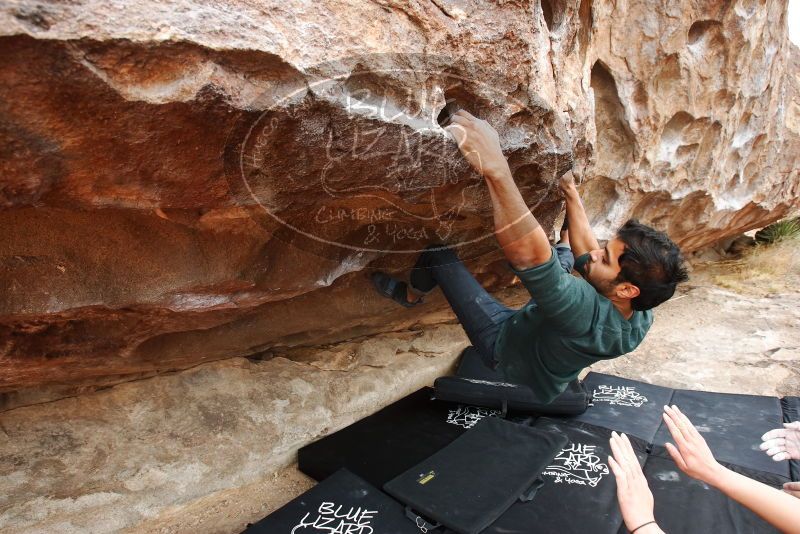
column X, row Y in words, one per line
column 602, row 268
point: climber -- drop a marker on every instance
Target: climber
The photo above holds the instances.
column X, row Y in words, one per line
column 570, row 322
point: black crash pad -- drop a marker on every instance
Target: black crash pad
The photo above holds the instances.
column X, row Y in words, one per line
column 383, row 445
column 510, row 397
column 386, row 443
column 579, row 493
column 477, row 384
column 470, row 482
column 732, row 425
column 625, row 405
column 683, row 504
column 341, row 504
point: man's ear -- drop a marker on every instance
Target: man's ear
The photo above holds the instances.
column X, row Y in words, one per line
column 627, row 290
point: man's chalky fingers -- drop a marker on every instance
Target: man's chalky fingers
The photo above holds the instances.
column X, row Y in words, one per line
column 462, row 129
column 792, row 426
column 466, row 114
column 460, row 120
column 457, row 131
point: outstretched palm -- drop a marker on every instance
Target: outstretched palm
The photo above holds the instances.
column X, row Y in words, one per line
column 783, row 443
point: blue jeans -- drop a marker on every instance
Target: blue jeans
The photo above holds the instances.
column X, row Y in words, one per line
column 479, row 313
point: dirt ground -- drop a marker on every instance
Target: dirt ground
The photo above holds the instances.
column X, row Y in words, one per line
column 732, row 328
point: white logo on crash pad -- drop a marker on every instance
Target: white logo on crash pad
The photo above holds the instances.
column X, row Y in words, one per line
column 577, row 464
column 331, row 518
column 618, row 396
column 468, row 416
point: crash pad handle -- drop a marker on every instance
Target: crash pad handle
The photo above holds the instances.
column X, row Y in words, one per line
column 420, row 521
column 531, row 492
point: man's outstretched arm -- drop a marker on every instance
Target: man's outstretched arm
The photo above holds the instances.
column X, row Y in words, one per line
column 522, row 239
column 581, row 238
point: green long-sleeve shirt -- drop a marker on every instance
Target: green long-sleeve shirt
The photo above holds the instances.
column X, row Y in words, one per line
column 568, row 326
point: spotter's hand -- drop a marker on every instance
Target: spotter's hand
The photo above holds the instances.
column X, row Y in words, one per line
column 480, row 145
column 633, row 494
column 690, row 451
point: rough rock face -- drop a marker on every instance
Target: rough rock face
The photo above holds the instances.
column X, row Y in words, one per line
column 186, row 182
column 151, row 448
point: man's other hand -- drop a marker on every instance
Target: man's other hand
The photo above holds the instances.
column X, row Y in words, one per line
column 567, row 182
column 783, row 443
column 480, row 145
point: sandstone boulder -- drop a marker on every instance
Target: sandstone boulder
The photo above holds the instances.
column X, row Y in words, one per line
column 185, row 182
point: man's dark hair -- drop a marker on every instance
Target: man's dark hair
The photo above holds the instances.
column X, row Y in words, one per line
column 651, row 262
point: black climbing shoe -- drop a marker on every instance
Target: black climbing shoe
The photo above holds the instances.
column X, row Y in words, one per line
column 392, row 288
